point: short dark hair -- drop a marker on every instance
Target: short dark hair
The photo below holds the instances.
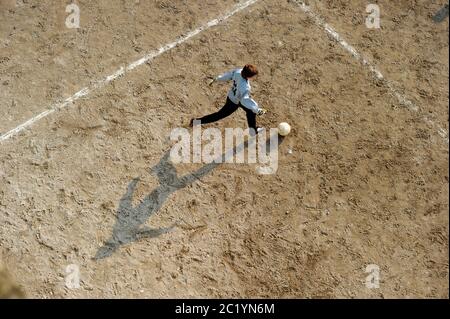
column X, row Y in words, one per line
column 249, row 71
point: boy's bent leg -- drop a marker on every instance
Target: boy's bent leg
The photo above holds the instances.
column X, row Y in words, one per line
column 251, row 119
column 228, row 109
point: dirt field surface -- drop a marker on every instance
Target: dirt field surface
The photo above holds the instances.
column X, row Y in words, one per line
column 362, row 179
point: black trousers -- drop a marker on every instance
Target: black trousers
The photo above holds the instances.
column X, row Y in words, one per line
column 228, row 109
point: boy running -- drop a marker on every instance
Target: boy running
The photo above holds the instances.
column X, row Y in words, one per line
column 238, row 97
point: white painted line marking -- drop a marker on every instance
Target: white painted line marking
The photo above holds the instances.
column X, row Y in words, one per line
column 122, row 71
column 373, row 69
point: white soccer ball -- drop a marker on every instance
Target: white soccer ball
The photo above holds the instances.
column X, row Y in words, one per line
column 284, row 129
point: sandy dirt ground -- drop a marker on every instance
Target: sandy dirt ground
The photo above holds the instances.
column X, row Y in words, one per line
column 362, row 179
column 9, row 289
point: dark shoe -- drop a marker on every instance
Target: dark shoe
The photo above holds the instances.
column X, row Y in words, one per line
column 193, row 122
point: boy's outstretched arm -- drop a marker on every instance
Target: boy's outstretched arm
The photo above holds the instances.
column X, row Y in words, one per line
column 223, row 78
